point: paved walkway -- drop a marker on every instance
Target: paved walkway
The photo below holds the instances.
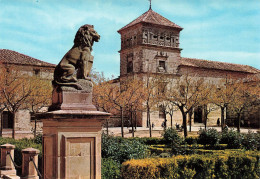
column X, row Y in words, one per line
column 157, row 131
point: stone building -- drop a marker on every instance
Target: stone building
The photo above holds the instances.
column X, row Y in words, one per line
column 32, row 67
column 150, row 44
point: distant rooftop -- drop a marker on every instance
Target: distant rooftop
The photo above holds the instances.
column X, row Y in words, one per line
column 193, row 62
column 153, row 18
column 13, row 57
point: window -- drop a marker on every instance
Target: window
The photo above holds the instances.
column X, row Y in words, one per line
column 129, row 66
column 36, row 72
column 162, row 64
column 161, row 112
column 130, row 63
column 7, row 118
column 161, row 67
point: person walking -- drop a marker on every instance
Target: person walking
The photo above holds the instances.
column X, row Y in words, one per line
column 218, row 122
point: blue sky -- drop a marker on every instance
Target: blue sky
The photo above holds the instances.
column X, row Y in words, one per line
column 221, row 30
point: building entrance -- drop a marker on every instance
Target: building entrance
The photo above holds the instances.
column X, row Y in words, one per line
column 198, row 115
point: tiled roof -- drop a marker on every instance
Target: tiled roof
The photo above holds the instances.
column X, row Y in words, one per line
column 12, row 57
column 193, row 62
column 154, row 18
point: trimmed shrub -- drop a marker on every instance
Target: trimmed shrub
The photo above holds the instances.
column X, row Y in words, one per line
column 251, row 141
column 148, row 140
column 222, row 164
column 159, row 149
column 231, row 138
column 170, row 136
column 120, row 149
column 208, row 137
column 110, row 169
column 190, row 140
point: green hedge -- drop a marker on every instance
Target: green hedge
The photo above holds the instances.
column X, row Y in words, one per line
column 221, row 164
column 120, row 149
column 156, row 150
column 148, row 140
column 110, row 169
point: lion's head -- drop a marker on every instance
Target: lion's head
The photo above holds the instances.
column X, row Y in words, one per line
column 86, row 36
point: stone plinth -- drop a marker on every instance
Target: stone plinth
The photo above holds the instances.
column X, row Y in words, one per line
column 72, row 143
column 7, row 166
column 68, row 98
column 28, row 168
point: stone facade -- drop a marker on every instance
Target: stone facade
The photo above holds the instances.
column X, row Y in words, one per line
column 150, row 45
column 24, row 122
column 146, row 48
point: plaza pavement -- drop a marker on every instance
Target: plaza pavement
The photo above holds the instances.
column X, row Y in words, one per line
column 157, row 131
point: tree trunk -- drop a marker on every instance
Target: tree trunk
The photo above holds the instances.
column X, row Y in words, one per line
column 190, row 115
column 147, row 115
column 184, row 121
column 206, row 118
column 239, row 122
column 1, row 132
column 135, row 120
column 149, row 121
column 222, row 118
column 107, row 125
column 185, row 124
column 165, row 122
column 122, row 121
column 171, row 121
column 132, row 124
column 13, row 133
column 206, row 112
column 35, row 127
column 205, row 115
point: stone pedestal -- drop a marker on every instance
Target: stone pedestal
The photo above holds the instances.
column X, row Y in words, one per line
column 68, row 98
column 7, row 166
column 28, row 169
column 72, row 143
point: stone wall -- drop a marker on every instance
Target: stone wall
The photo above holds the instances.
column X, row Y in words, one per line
column 23, row 124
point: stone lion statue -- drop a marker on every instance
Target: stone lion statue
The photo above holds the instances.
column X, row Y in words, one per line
column 77, row 62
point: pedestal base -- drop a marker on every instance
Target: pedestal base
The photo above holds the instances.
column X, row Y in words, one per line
column 72, row 143
column 8, row 173
column 71, row 100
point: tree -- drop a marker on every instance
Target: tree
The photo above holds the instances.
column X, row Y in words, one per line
column 99, row 99
column 2, row 108
column 39, row 97
column 136, row 96
column 151, row 88
column 186, row 93
column 170, row 109
column 207, row 109
column 222, row 95
column 98, row 78
column 245, row 95
column 121, row 96
column 17, row 90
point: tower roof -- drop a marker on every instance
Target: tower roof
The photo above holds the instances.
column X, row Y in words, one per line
column 153, row 18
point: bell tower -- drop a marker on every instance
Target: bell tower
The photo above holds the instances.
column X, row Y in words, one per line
column 150, row 43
